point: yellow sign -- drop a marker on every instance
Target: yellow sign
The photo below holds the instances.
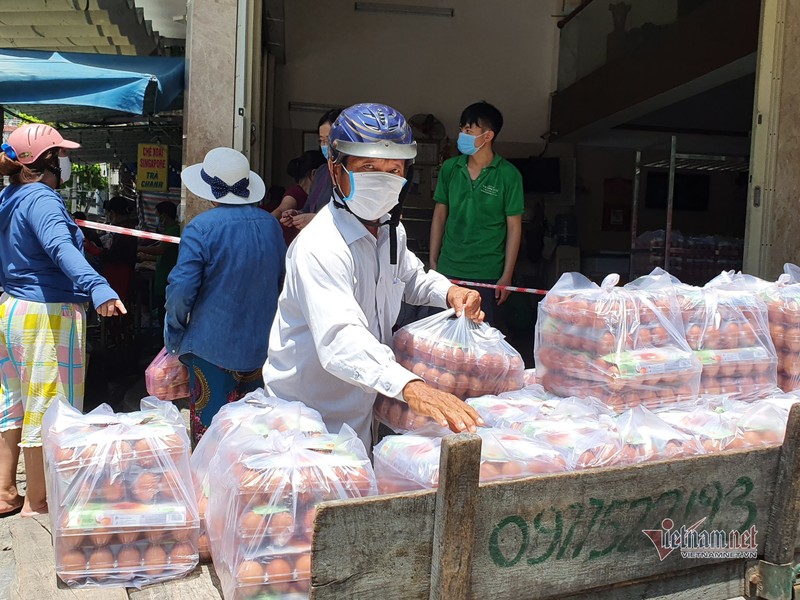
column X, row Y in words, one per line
column 152, row 168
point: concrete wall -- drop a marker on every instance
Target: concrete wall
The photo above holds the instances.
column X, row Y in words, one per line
column 504, row 53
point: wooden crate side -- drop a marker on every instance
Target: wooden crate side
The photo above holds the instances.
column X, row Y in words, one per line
column 578, row 531
column 374, row 548
column 710, row 582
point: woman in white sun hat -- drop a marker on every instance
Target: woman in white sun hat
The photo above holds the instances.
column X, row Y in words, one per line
column 223, row 292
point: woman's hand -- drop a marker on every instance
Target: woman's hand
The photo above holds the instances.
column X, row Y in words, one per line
column 302, row 219
column 112, row 308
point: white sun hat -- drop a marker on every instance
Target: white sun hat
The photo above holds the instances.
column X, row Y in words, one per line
column 224, row 177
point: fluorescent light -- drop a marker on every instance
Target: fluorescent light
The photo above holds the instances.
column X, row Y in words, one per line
column 311, row 107
column 407, row 9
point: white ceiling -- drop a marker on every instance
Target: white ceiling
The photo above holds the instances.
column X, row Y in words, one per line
column 161, row 13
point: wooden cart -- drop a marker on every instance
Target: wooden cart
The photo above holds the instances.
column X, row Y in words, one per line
column 571, row 536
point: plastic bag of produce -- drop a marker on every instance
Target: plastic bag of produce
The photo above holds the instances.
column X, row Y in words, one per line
column 758, row 424
column 398, row 416
column 255, row 413
column 624, row 346
column 582, row 430
column 121, row 502
column 646, row 437
column 783, row 307
column 261, row 512
column 726, row 324
column 167, row 378
column 459, row 356
column 411, row 461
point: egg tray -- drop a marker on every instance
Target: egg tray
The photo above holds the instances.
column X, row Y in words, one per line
column 103, row 536
column 268, row 530
column 129, row 565
column 602, row 341
column 463, row 382
column 124, row 454
column 397, row 415
column 124, row 518
column 667, row 363
column 142, row 488
column 273, row 576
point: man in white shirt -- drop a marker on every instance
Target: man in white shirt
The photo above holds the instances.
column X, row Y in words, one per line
column 346, row 275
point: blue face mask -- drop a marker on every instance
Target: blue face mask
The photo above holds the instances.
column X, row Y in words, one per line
column 324, row 149
column 466, row 143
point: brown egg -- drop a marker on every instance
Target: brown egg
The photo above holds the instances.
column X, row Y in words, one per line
column 114, row 490
column 180, row 534
column 402, row 341
column 280, row 525
column 302, row 566
column 129, row 558
column 144, row 453
column 182, row 554
column 420, row 369
column 129, row 537
column 155, row 535
column 461, row 387
column 204, row 548
column 447, row 382
column 64, row 454
column 279, row 572
column 171, row 485
column 252, row 523
column 431, row 376
column 422, row 349
column 87, row 453
column 73, row 561
column 308, row 523
column 490, row 471
column 202, row 505
column 146, row 487
column 155, row 560
column 250, row 572
column 101, row 536
column 101, row 562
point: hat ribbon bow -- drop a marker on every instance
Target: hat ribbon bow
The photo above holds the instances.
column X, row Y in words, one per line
column 219, row 188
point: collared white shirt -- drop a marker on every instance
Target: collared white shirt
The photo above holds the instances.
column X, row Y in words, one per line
column 329, row 343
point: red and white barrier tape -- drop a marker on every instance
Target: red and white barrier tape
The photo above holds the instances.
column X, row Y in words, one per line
column 176, row 240
column 126, row 231
column 510, row 288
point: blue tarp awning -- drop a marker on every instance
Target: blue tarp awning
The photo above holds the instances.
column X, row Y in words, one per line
column 140, row 85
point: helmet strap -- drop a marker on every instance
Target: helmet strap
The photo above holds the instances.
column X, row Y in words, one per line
column 55, row 170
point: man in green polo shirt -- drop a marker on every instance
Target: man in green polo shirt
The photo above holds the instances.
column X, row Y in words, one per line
column 477, row 220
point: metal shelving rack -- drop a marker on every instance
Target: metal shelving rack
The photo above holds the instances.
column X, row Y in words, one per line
column 677, row 162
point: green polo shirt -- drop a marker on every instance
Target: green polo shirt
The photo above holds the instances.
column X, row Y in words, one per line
column 474, row 243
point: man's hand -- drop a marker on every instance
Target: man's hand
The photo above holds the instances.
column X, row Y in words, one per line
column 444, row 408
column 502, row 295
column 466, row 301
column 302, row 219
column 287, row 216
column 112, row 308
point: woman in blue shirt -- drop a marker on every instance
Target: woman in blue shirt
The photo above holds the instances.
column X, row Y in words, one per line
column 223, row 292
column 46, row 282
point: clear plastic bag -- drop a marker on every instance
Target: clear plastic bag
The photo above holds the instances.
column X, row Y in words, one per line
column 255, row 413
column 758, row 424
column 783, row 307
column 398, row 416
column 121, row 502
column 411, row 461
column 726, row 324
column 459, row 356
column 646, row 437
column 167, row 378
column 624, row 346
column 261, row 512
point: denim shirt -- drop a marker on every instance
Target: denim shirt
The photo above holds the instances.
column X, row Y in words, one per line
column 223, row 292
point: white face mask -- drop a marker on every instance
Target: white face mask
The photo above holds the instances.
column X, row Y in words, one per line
column 66, row 168
column 373, row 195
